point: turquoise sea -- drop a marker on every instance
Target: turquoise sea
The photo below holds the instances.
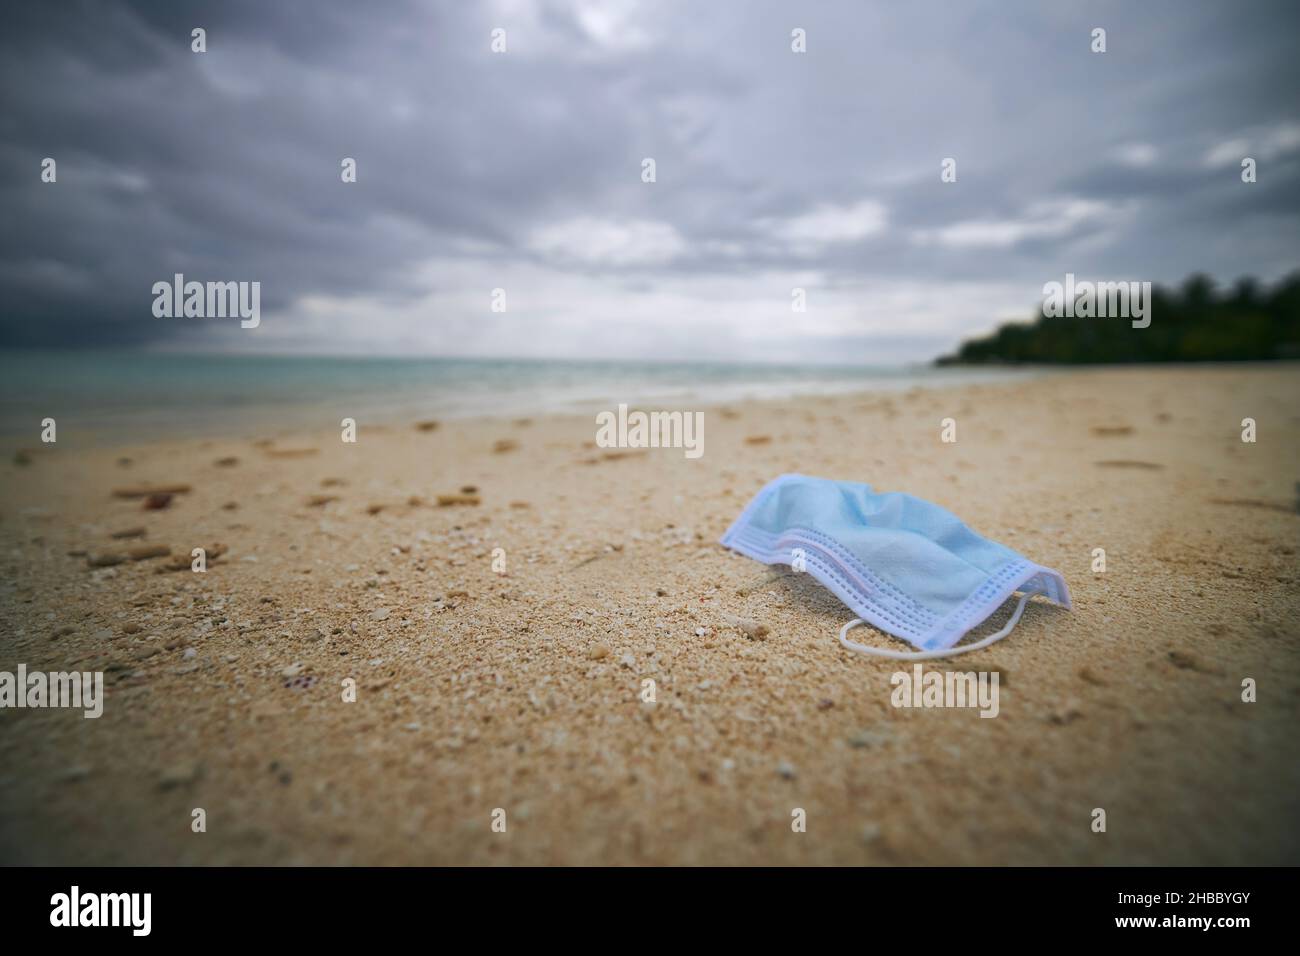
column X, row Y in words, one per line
column 115, row 395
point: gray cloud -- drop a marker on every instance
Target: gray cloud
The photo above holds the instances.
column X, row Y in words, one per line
column 522, row 170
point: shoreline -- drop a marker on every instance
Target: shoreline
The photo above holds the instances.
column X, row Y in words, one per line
column 260, row 420
column 131, row 397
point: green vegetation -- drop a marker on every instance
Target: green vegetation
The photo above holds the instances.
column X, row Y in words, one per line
column 1195, row 323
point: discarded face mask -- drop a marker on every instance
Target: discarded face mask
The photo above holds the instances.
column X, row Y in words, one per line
column 905, row 565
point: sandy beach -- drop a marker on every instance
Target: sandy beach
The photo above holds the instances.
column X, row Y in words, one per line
column 522, row 691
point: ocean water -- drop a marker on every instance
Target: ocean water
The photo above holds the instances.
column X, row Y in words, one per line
column 110, row 395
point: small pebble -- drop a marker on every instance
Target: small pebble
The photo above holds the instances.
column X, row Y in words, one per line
column 1066, row 713
column 144, row 552
column 145, row 491
column 457, row 499
column 868, row 738
column 751, row 629
column 178, row 775
column 1187, row 662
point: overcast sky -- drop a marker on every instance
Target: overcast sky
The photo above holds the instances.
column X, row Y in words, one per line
column 523, row 170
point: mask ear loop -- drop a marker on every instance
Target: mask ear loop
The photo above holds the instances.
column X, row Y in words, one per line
column 931, row 655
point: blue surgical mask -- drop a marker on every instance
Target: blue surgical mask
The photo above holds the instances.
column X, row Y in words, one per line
column 905, row 565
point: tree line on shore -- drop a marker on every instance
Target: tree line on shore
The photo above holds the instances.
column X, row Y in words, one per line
column 1195, row 322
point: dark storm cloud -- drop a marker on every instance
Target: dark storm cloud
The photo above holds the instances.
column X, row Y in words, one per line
column 523, row 169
